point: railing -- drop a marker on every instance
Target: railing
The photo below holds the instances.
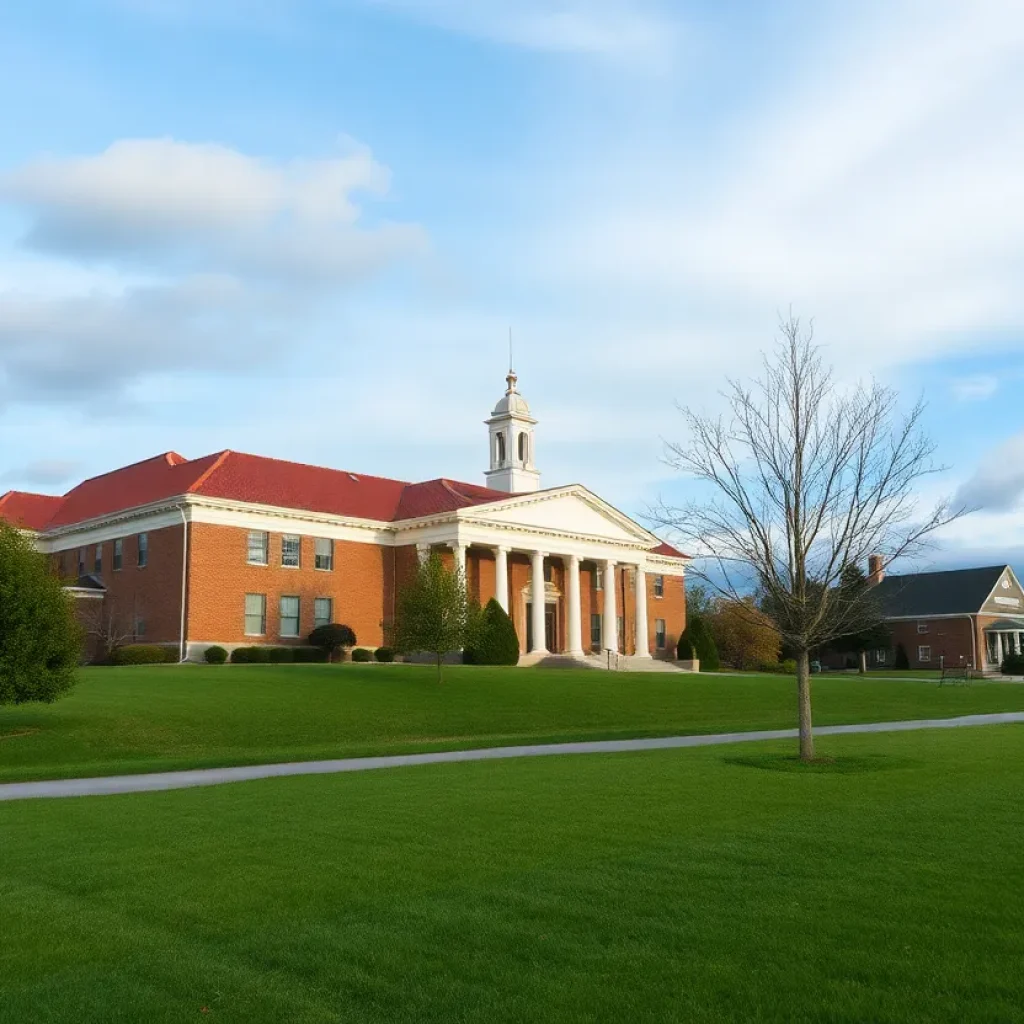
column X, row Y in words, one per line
column 615, row 660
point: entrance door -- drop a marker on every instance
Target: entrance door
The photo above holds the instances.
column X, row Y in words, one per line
column 550, row 628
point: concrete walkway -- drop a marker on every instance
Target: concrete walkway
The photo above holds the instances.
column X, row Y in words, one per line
column 215, row 776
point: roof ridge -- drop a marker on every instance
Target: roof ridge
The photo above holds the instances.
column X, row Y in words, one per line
column 208, row 472
column 328, row 469
column 132, row 465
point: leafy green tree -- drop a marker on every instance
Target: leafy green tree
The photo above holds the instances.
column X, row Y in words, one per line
column 496, row 642
column 434, row 613
column 332, row 638
column 40, row 641
column 703, row 644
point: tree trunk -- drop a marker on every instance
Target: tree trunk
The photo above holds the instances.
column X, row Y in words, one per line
column 803, row 689
column 863, row 663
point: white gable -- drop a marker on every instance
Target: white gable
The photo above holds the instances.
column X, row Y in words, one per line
column 565, row 513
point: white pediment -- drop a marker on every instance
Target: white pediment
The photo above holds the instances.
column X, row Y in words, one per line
column 566, row 513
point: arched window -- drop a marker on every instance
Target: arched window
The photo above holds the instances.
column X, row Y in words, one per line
column 523, row 448
column 500, row 448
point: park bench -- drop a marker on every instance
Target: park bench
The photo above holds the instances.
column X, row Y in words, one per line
column 954, row 676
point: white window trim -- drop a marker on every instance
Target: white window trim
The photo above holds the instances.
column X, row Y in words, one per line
column 920, row 652
column 922, row 628
column 330, row 618
column 266, row 553
column 298, row 618
column 320, row 568
column 245, row 616
column 291, row 536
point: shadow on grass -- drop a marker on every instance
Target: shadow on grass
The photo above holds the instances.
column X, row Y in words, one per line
column 846, row 765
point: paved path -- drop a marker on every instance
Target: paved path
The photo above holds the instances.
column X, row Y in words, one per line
column 215, row 776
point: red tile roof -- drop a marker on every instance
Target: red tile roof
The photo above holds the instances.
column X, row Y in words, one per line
column 667, row 549
column 254, row 479
column 31, row 511
column 163, row 476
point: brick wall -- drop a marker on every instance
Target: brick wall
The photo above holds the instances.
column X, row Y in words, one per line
column 361, row 586
column 149, row 596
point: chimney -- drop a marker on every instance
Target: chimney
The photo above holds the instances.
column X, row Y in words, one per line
column 876, row 570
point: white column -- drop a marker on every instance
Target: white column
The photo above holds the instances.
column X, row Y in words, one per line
column 501, row 576
column 643, row 645
column 537, row 595
column 459, row 551
column 999, row 649
column 610, row 622
column 574, row 633
column 422, row 552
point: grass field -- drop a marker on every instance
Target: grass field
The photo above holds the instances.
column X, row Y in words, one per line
column 165, row 717
column 700, row 885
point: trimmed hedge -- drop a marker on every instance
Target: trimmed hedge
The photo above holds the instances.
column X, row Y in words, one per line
column 282, row 655
column 215, row 655
column 362, row 654
column 307, row 655
column 250, row 656
column 142, row 654
column 496, row 642
column 384, row 654
column 1013, row 665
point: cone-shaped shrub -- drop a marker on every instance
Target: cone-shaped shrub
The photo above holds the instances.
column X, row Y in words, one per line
column 496, row 642
column 901, row 660
column 703, row 644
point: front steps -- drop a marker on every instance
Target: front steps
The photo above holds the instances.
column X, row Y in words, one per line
column 616, row 663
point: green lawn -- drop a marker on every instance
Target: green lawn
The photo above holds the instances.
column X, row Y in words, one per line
column 705, row 885
column 166, row 717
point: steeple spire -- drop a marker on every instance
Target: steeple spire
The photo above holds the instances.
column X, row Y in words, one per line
column 511, row 439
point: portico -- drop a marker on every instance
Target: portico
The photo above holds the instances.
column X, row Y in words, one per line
column 567, row 592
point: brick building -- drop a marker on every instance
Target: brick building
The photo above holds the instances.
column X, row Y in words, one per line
column 237, row 549
column 969, row 617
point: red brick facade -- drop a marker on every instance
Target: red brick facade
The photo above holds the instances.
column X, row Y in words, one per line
column 362, row 585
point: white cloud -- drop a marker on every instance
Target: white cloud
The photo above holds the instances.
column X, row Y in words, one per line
column 879, row 192
column 208, row 208
column 621, row 29
column 974, row 387
column 997, row 486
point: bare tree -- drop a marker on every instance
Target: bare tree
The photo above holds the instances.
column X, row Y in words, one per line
column 104, row 622
column 805, row 479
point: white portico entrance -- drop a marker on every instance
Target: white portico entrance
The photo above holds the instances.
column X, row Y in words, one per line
column 576, row 576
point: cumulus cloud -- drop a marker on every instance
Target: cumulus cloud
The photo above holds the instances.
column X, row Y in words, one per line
column 220, row 254
column 203, row 207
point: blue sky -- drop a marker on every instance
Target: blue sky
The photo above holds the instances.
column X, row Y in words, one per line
column 304, row 229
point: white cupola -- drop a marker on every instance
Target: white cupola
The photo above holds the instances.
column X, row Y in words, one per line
column 511, row 440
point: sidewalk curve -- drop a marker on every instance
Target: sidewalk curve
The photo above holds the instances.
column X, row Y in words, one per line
column 158, row 781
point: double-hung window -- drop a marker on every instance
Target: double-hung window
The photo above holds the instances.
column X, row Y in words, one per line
column 595, row 631
column 323, row 554
column 289, row 616
column 118, row 554
column 881, row 656
column 97, row 562
column 659, row 586
column 922, row 627
column 140, row 628
column 143, row 550
column 323, row 611
column 81, row 561
column 255, row 614
column 258, row 547
column 290, row 550
column 659, row 634
column 924, row 653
